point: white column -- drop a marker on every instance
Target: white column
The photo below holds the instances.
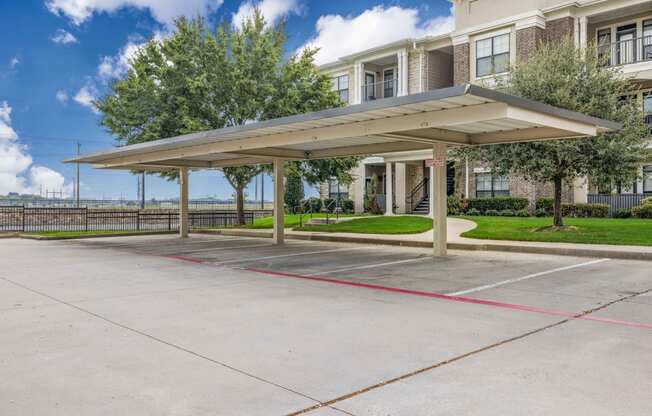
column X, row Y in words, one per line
column 440, row 209
column 279, row 202
column 389, row 194
column 583, row 29
column 581, row 190
column 359, row 188
column 358, row 82
column 466, row 178
column 183, row 203
column 431, row 193
column 400, row 187
column 402, row 75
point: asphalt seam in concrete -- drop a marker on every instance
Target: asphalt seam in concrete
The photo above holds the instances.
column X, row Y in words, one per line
column 162, row 341
column 367, row 389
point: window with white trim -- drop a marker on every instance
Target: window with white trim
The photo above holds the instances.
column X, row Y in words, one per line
column 492, row 55
column 336, row 190
column 489, row 186
column 340, row 84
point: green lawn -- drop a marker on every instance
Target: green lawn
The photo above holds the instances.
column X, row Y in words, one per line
column 72, row 234
column 291, row 221
column 376, row 225
column 587, row 230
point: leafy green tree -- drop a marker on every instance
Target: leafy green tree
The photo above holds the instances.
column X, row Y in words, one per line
column 198, row 80
column 293, row 187
column 563, row 76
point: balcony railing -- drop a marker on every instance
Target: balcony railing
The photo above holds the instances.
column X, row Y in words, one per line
column 627, row 51
column 383, row 89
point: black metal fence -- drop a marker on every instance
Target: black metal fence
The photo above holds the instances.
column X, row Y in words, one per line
column 214, row 204
column 27, row 219
column 616, row 202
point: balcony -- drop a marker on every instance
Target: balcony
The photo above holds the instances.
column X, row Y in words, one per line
column 626, row 52
column 376, row 90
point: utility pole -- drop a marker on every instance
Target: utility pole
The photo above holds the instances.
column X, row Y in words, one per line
column 77, row 187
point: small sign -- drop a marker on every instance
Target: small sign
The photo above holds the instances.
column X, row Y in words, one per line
column 436, row 162
column 481, row 170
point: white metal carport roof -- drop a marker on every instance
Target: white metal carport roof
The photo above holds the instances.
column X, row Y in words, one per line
column 465, row 115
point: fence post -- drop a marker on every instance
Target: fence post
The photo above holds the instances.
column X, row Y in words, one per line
column 86, row 218
column 138, row 220
column 23, row 216
column 169, row 221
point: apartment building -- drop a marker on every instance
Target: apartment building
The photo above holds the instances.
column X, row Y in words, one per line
column 489, row 36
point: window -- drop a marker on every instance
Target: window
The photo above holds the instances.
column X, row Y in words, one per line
column 337, row 190
column 489, row 186
column 604, row 46
column 341, row 86
column 492, row 55
column 389, row 83
column 369, row 88
column 626, row 38
column 647, row 179
column 647, row 40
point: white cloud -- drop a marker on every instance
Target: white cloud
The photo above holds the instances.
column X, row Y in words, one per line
column 62, row 96
column 63, row 37
column 163, row 11
column 13, row 63
column 87, row 95
column 272, row 10
column 116, row 66
column 17, row 171
column 338, row 36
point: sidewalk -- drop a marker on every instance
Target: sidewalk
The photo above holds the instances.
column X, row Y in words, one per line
column 456, row 227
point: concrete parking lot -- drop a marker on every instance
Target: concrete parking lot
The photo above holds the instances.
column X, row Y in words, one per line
column 154, row 325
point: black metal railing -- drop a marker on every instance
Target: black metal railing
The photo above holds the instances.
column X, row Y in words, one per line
column 418, row 194
column 132, row 204
column 30, row 219
column 383, row 89
column 627, row 51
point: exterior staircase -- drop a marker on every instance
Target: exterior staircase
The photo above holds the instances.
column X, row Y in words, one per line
column 422, row 207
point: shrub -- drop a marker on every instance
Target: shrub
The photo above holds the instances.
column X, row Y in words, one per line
column 623, row 213
column 312, row 205
column 492, row 212
column 454, row 205
column 585, row 210
column 347, row 205
column 646, row 201
column 522, row 213
column 330, row 204
column 472, row 211
column 498, row 204
column 507, row 213
column 642, row 211
column 541, row 213
column 545, row 204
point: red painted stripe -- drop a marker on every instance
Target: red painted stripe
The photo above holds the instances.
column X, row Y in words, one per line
column 463, row 299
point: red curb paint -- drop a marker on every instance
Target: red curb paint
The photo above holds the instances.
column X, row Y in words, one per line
column 463, row 299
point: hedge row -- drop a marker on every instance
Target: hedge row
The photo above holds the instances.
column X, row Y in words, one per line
column 545, row 207
column 497, row 204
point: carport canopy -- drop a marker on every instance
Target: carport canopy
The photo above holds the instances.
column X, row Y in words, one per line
column 465, row 115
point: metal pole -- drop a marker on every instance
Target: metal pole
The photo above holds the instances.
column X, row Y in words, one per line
column 262, row 191
column 77, row 186
column 142, row 190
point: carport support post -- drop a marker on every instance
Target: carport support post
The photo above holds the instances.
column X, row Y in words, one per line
column 389, row 193
column 279, row 201
column 183, row 202
column 440, row 209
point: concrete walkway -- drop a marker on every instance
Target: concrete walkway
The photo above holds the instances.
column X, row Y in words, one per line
column 456, row 227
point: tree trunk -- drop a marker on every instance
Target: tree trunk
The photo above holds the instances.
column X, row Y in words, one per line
column 558, row 220
column 239, row 202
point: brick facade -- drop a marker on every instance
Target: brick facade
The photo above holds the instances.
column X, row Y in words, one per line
column 527, row 41
column 559, row 29
column 461, row 64
column 416, row 72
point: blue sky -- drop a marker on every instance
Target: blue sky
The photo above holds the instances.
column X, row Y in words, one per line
column 56, row 55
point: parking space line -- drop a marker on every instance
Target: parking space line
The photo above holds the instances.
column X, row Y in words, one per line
column 278, row 256
column 464, row 299
column 368, row 266
column 529, row 276
column 201, row 250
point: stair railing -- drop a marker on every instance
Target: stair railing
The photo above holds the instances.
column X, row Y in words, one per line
column 418, row 193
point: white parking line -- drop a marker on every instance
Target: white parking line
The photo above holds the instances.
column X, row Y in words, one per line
column 250, row 259
column 368, row 266
column 529, row 276
column 200, row 250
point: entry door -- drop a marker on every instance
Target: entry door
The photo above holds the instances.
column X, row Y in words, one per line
column 389, row 83
column 370, row 86
column 626, row 37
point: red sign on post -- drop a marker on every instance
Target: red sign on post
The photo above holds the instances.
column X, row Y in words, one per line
column 436, row 162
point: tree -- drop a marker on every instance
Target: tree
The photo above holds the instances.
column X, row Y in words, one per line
column 197, row 80
column 293, row 187
column 563, row 76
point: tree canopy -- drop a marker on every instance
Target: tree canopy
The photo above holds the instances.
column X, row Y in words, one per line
column 198, row 79
column 578, row 80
